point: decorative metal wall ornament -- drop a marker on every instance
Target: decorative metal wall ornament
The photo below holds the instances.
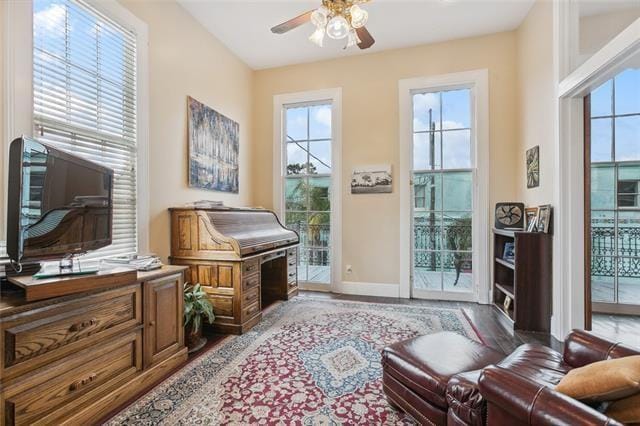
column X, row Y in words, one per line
column 533, row 167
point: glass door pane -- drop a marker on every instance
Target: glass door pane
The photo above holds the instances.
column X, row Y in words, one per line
column 442, row 193
column 615, row 192
column 307, row 186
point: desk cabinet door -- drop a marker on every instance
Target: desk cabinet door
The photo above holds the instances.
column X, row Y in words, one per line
column 163, row 312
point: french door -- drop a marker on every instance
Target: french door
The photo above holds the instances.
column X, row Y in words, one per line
column 443, row 173
column 307, row 149
column 612, row 198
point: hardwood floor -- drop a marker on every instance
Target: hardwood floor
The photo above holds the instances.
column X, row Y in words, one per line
column 620, row 328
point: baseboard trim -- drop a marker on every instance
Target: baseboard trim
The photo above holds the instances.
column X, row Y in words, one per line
column 367, row 289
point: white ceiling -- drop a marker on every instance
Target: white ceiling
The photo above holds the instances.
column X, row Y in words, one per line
column 244, row 25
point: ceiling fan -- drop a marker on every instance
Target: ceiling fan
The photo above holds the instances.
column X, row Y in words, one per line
column 338, row 19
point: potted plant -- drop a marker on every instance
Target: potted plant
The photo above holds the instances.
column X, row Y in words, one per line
column 196, row 305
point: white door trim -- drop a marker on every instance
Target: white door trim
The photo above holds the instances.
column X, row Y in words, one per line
column 479, row 81
column 335, row 96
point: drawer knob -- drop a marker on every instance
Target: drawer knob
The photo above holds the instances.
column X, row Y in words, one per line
column 152, row 323
column 79, row 326
column 82, row 382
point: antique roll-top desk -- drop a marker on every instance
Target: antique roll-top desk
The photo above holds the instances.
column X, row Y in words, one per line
column 243, row 258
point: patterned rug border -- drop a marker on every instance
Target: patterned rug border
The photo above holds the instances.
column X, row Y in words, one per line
column 217, row 357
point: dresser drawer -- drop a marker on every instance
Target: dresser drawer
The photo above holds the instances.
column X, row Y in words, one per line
column 250, row 267
column 62, row 388
column 250, row 282
column 292, row 252
column 68, row 327
column 292, row 275
column 292, row 262
column 251, row 310
column 250, row 296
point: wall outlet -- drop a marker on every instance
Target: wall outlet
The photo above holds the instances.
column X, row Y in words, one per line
column 349, row 269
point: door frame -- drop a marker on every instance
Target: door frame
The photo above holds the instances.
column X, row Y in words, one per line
column 478, row 81
column 334, row 95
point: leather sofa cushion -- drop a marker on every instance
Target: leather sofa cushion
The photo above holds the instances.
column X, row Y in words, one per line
column 425, row 364
column 603, row 381
column 466, row 404
column 538, row 363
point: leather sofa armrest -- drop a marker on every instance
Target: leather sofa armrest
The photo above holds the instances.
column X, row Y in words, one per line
column 532, row 403
column 582, row 348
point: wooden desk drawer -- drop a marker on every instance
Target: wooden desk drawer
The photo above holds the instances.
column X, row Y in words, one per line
column 292, row 262
column 250, row 282
column 292, row 252
column 250, row 296
column 292, row 275
column 45, row 336
column 251, row 310
column 250, row 267
column 61, row 388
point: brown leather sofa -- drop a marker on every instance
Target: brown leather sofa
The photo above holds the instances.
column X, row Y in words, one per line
column 519, row 390
column 446, row 379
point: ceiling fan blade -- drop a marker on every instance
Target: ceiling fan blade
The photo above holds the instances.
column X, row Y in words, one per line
column 366, row 39
column 292, row 23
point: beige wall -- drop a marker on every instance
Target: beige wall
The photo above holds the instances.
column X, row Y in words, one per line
column 536, row 101
column 597, row 30
column 370, row 133
column 185, row 60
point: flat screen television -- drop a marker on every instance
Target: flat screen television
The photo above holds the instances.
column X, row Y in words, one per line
column 58, row 204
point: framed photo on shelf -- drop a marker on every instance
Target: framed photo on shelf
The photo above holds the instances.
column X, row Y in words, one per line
column 509, row 253
column 531, row 215
column 544, row 218
column 507, row 303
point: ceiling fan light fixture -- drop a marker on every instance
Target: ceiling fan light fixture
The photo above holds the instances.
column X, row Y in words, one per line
column 359, row 16
column 320, row 17
column 317, row 37
column 338, row 28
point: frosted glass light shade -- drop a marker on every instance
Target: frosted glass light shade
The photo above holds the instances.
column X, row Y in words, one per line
column 359, row 16
column 318, row 36
column 338, row 28
column 320, row 17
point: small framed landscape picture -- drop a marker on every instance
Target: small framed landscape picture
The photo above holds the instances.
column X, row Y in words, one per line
column 533, row 167
column 544, row 218
column 372, row 180
column 531, row 215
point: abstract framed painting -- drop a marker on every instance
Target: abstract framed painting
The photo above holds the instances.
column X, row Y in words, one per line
column 214, row 149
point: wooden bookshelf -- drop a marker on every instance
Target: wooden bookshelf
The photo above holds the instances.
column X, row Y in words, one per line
column 526, row 280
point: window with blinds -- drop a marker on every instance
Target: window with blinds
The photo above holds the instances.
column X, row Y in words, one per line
column 84, row 99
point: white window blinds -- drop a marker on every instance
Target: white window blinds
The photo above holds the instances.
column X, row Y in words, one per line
column 84, row 98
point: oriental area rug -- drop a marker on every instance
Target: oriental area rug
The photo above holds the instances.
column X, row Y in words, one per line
column 310, row 361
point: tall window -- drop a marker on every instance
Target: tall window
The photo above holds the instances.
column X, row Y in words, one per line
column 307, row 186
column 443, row 191
column 615, row 190
column 84, row 97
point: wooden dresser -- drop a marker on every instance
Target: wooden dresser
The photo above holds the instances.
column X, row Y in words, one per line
column 243, row 258
column 74, row 359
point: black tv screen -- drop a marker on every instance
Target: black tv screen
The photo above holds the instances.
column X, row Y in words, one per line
column 58, row 204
